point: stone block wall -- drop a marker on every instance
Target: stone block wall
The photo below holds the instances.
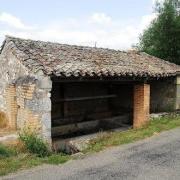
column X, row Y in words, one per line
column 34, row 107
column 26, row 118
column 24, row 95
column 163, row 95
column 10, row 70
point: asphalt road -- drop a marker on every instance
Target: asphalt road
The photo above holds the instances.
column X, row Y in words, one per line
column 156, row 158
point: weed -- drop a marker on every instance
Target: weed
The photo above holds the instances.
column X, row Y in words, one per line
column 34, row 144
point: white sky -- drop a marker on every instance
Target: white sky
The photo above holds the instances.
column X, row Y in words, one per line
column 106, row 24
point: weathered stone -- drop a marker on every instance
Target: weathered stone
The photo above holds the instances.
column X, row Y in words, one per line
column 9, row 139
column 33, row 103
column 158, row 115
column 163, row 95
column 46, row 120
column 39, row 105
column 45, row 83
column 41, row 94
column 40, row 73
column 178, row 80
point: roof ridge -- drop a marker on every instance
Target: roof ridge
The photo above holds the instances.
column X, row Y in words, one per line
column 64, row 44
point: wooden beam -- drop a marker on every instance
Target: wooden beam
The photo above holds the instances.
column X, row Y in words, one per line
column 98, row 79
column 85, row 98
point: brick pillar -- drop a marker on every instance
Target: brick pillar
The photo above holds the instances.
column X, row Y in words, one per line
column 141, row 105
column 11, row 106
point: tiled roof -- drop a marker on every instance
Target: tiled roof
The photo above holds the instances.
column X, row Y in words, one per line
column 70, row 60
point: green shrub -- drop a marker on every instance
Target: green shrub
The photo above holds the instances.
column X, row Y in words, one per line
column 34, row 144
column 6, row 151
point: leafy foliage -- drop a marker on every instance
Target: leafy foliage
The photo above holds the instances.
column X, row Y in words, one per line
column 162, row 38
column 34, row 144
column 6, row 151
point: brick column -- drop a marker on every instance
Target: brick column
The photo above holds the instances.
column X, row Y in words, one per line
column 11, row 104
column 141, row 105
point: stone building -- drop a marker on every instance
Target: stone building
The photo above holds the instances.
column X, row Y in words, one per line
column 58, row 90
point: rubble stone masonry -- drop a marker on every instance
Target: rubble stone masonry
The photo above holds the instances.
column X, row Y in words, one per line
column 24, row 95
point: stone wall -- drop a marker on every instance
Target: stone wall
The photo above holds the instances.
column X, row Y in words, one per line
column 10, row 70
column 34, row 105
column 163, row 95
column 24, row 95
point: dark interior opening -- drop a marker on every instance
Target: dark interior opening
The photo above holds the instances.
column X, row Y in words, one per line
column 80, row 108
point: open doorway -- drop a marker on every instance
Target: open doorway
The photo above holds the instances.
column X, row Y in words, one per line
column 80, row 108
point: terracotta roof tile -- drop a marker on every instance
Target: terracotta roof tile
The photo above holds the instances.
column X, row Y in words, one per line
column 70, row 60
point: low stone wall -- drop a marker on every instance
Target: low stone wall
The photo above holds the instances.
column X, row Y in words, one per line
column 164, row 114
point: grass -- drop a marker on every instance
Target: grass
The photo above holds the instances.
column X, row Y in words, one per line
column 6, row 151
column 11, row 159
column 25, row 160
column 30, row 151
column 118, row 138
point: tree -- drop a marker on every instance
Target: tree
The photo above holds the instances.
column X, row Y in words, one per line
column 162, row 37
